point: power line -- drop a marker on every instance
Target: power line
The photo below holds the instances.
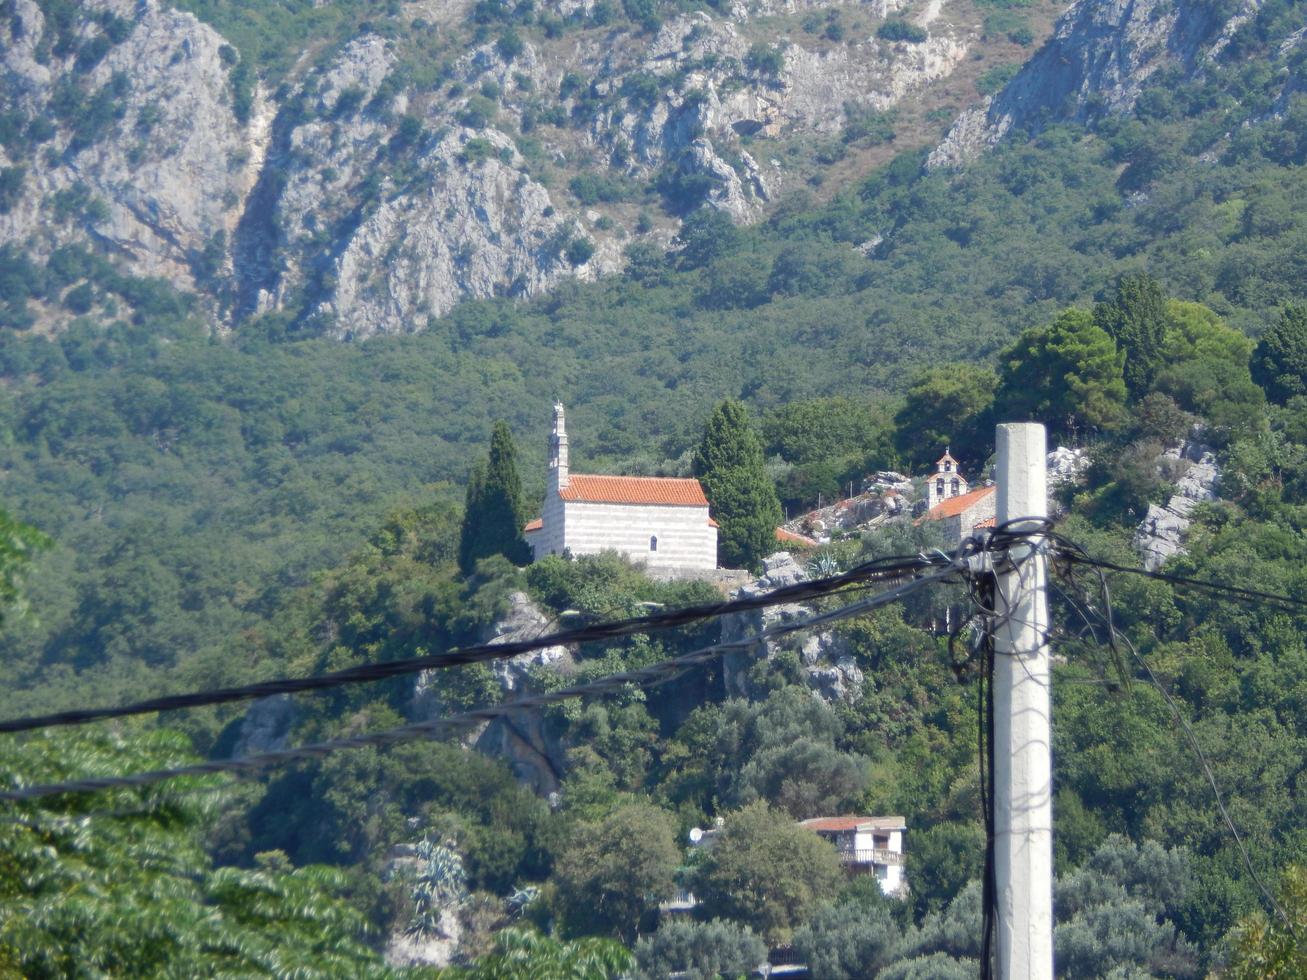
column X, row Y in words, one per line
column 1079, row 557
column 663, row 671
column 880, row 570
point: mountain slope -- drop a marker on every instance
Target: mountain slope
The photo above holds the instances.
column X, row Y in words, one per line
column 389, row 162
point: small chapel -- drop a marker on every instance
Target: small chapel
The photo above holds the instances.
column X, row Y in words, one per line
column 947, row 481
column 660, row 521
column 951, row 501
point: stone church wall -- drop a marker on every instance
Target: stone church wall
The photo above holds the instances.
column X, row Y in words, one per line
column 685, row 540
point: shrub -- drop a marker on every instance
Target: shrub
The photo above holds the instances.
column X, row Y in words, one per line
column 509, row 45
column 11, row 187
column 477, row 149
column 765, row 59
column 993, row 79
column 348, row 102
column 901, row 30
column 80, row 299
column 700, row 950
column 579, row 251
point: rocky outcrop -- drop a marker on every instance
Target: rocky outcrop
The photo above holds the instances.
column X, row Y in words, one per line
column 1160, row 535
column 1098, row 60
column 830, row 670
column 150, row 161
column 266, row 726
column 709, row 98
column 365, row 203
column 524, row 739
column 1066, row 466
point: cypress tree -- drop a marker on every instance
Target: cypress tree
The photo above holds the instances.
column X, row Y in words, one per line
column 493, row 514
column 729, row 463
column 1136, row 319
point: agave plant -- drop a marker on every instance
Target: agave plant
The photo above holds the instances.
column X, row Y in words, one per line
column 824, row 564
column 441, row 884
column 516, row 903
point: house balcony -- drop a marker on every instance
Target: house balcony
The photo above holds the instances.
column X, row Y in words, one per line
column 870, row 855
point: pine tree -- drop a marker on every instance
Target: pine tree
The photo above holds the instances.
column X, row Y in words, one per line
column 492, row 513
column 1279, row 364
column 1136, row 319
column 729, row 463
column 1066, row 375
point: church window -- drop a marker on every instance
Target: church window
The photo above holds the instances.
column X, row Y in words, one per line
column 939, row 487
column 948, row 467
column 653, row 543
column 955, row 486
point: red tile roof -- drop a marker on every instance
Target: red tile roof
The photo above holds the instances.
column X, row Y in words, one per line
column 854, row 823
column 954, row 506
column 712, row 523
column 988, row 522
column 672, row 491
column 535, row 525
column 789, row 537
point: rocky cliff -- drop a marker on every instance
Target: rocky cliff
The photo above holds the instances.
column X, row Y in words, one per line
column 448, row 151
column 1098, row 60
column 119, row 128
column 378, row 181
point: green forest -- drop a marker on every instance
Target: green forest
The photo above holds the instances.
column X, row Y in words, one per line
column 193, row 509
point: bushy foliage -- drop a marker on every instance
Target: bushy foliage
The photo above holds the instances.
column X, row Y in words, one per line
column 766, row 872
column 781, row 750
column 947, row 407
column 524, row 954
column 848, row 941
column 1280, row 361
column 1066, row 375
column 1136, row 318
column 139, row 896
column 1268, row 947
column 901, row 30
column 613, row 872
column 699, row 951
column 729, row 464
column 493, row 512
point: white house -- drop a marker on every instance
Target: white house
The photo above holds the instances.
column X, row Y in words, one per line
column 867, row 845
column 661, row 521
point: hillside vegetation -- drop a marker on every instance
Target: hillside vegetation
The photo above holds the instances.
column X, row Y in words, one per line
column 229, row 506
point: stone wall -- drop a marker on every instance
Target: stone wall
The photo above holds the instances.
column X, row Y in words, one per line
column 685, row 538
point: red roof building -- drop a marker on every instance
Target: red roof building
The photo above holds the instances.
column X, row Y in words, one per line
column 867, row 845
column 662, row 522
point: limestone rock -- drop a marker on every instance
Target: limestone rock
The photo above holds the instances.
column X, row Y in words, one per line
column 168, row 171
column 1160, row 535
column 1098, row 60
column 530, row 746
column 1066, row 465
column 436, row 949
column 780, row 569
column 841, row 682
column 831, row 672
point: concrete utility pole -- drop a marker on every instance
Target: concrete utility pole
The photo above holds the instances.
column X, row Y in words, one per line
column 1023, row 780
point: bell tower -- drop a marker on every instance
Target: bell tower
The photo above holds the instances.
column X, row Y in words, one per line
column 558, row 451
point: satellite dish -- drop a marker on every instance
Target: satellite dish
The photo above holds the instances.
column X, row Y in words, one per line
column 696, row 835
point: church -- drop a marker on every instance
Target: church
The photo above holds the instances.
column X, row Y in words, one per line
column 951, row 500
column 660, row 521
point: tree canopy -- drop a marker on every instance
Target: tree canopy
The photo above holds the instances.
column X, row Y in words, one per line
column 729, row 463
column 1066, row 375
column 493, row 511
column 1279, row 363
column 766, row 871
column 1136, row 318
